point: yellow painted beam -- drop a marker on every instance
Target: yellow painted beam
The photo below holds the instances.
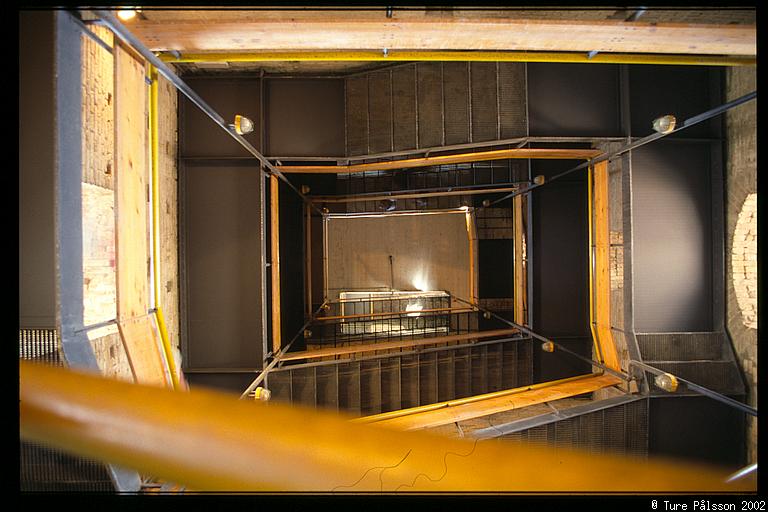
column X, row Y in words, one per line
column 274, row 204
column 209, row 441
column 459, row 56
column 478, row 156
column 445, row 413
column 601, row 321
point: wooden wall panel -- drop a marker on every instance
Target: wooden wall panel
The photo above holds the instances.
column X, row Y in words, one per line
column 142, row 343
column 131, row 171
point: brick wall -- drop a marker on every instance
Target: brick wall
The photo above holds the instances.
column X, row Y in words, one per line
column 741, row 232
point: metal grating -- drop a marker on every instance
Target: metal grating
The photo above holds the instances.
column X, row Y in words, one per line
column 621, row 429
column 429, row 77
column 380, row 104
column 681, row 346
column 404, row 107
column 357, row 115
column 40, row 345
column 484, row 84
column 721, row 376
column 456, row 93
column 392, row 382
column 513, row 117
column 44, row 469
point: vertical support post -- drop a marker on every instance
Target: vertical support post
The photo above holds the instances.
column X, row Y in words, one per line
column 308, row 255
column 473, row 256
column 601, row 265
column 274, row 204
column 519, row 262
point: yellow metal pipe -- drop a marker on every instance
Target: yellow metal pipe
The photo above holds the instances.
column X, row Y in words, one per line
column 462, row 56
column 155, row 152
column 211, row 441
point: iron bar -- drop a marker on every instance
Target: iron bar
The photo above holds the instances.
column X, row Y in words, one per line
column 395, row 195
column 592, row 362
column 124, row 34
column 701, row 389
column 399, row 354
column 277, row 357
column 691, row 121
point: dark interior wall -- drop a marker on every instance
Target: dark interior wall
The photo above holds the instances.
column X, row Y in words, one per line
column 569, row 100
column 222, row 258
column 672, row 237
column 222, row 235
column 683, row 427
column 37, row 263
column 560, row 287
column 304, row 117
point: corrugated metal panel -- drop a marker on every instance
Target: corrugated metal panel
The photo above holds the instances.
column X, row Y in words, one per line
column 456, row 92
column 622, row 429
column 370, row 387
column 720, row 376
column 390, row 384
column 380, row 103
column 328, row 387
column 430, row 96
column 404, row 105
column 357, row 115
column 484, row 101
column 512, row 100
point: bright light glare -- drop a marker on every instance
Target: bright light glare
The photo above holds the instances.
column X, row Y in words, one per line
column 416, row 306
column 126, row 14
column 420, row 282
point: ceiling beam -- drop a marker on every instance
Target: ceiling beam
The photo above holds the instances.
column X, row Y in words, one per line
column 418, row 30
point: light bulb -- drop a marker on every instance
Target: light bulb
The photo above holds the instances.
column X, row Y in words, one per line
column 127, row 13
column 243, row 125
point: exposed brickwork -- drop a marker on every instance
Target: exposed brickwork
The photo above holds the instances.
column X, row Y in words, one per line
column 99, row 287
column 741, row 183
column 98, row 110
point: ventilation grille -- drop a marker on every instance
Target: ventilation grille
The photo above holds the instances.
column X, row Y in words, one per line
column 41, row 345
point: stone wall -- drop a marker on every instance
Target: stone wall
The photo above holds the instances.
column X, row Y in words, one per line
column 741, row 233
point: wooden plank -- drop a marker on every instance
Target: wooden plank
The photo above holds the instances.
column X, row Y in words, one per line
column 142, row 346
column 274, row 204
column 446, row 412
column 602, row 275
column 132, row 249
column 358, row 199
column 420, row 30
column 519, row 279
column 308, row 259
column 388, row 345
column 479, row 156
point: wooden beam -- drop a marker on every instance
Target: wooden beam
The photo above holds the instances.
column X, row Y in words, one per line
column 446, row 413
column 131, row 173
column 479, row 156
column 449, row 30
column 359, row 199
column 142, row 346
column 308, row 258
column 473, row 256
column 520, row 276
column 602, row 275
column 389, row 345
column 274, row 205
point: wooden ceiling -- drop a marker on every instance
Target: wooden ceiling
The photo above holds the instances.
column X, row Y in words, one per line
column 704, row 31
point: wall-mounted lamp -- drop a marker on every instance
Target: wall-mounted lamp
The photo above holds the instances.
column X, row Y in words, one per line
column 664, row 124
column 127, row 13
column 667, row 382
column 242, row 125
